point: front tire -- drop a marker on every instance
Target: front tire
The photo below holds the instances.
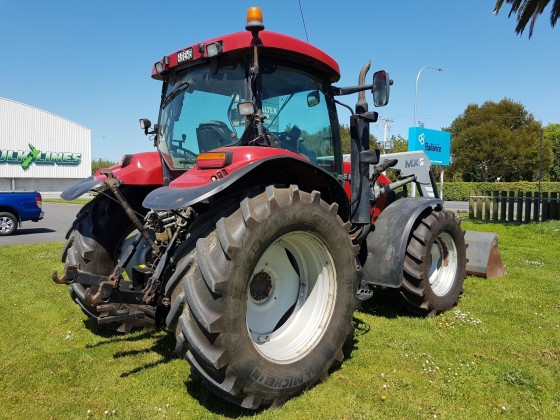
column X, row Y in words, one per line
column 266, row 299
column 434, row 267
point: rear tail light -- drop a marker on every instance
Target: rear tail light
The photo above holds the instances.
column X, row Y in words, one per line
column 39, row 201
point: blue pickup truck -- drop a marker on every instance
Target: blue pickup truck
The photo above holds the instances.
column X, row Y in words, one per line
column 19, row 206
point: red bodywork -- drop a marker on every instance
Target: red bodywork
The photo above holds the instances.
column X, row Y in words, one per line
column 241, row 156
column 139, row 169
column 311, row 56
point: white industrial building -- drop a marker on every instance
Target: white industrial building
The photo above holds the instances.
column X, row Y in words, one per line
column 39, row 150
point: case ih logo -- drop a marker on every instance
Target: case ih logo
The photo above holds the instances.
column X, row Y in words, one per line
column 26, row 158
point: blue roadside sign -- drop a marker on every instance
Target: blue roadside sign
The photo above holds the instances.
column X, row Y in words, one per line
column 436, row 144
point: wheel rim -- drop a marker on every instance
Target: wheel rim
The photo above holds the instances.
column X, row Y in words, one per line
column 6, row 224
column 443, row 264
column 291, row 296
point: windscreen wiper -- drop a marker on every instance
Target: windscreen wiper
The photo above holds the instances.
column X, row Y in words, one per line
column 178, row 89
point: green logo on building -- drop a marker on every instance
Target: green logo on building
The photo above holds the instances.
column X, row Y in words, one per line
column 30, row 157
column 26, row 157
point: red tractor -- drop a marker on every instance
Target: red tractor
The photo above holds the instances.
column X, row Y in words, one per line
column 244, row 234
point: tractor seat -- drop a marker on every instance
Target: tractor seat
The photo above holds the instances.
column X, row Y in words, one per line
column 213, row 134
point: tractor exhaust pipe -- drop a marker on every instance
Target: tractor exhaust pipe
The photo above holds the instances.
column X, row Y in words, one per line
column 361, row 104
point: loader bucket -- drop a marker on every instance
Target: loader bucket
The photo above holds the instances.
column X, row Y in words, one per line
column 483, row 255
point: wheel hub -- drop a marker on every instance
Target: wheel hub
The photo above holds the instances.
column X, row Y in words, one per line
column 5, row 224
column 260, row 287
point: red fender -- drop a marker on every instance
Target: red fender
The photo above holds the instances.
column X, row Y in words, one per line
column 240, row 158
column 138, row 169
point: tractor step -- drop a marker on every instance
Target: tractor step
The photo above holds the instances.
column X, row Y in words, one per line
column 363, row 294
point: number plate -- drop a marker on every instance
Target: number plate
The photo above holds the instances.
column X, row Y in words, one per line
column 185, row 55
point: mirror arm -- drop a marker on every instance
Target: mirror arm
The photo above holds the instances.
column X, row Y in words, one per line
column 336, row 91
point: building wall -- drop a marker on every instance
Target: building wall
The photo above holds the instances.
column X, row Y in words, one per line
column 39, row 150
column 54, row 185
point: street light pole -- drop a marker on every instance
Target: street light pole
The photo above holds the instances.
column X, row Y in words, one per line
column 416, row 93
column 413, row 192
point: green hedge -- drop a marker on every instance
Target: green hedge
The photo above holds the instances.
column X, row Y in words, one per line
column 460, row 191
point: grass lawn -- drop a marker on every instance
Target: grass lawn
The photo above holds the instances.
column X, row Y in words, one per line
column 496, row 355
column 62, row 201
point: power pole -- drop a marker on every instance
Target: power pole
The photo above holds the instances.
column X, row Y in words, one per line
column 386, row 129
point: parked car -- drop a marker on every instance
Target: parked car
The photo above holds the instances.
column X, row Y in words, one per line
column 17, row 207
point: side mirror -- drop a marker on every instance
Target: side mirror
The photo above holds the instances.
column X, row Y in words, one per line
column 246, row 109
column 145, row 125
column 313, row 98
column 381, row 88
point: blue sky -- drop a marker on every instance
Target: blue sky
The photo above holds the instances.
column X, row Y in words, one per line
column 91, row 61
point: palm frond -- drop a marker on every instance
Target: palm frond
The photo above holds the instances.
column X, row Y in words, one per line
column 528, row 11
column 555, row 13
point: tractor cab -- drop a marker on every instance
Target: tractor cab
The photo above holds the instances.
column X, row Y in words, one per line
column 254, row 88
column 199, row 112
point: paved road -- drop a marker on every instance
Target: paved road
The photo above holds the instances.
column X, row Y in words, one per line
column 53, row 227
column 462, row 206
column 59, row 217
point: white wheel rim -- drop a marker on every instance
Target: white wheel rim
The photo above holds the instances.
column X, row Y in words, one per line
column 443, row 264
column 6, row 224
column 291, row 296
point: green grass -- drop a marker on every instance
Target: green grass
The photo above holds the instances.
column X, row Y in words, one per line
column 497, row 355
column 62, row 201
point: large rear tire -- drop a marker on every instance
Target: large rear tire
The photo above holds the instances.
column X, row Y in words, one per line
column 96, row 241
column 434, row 267
column 266, row 300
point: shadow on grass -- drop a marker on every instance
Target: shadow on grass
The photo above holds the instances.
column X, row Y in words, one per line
column 385, row 303
column 114, row 335
column 213, row 403
column 164, row 344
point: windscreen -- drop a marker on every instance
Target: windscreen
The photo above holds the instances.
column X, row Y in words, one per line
column 197, row 113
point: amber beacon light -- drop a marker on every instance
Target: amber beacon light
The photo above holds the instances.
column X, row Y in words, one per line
column 254, row 19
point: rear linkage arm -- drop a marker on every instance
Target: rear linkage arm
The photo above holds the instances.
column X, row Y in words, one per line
column 106, row 285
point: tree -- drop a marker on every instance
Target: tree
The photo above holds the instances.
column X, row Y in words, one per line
column 399, row 143
column 498, row 141
column 97, row 164
column 345, row 139
column 552, row 134
column 528, row 11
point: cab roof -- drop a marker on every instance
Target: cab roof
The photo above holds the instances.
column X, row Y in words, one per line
column 273, row 44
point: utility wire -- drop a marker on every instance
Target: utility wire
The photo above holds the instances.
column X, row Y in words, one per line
column 303, row 20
